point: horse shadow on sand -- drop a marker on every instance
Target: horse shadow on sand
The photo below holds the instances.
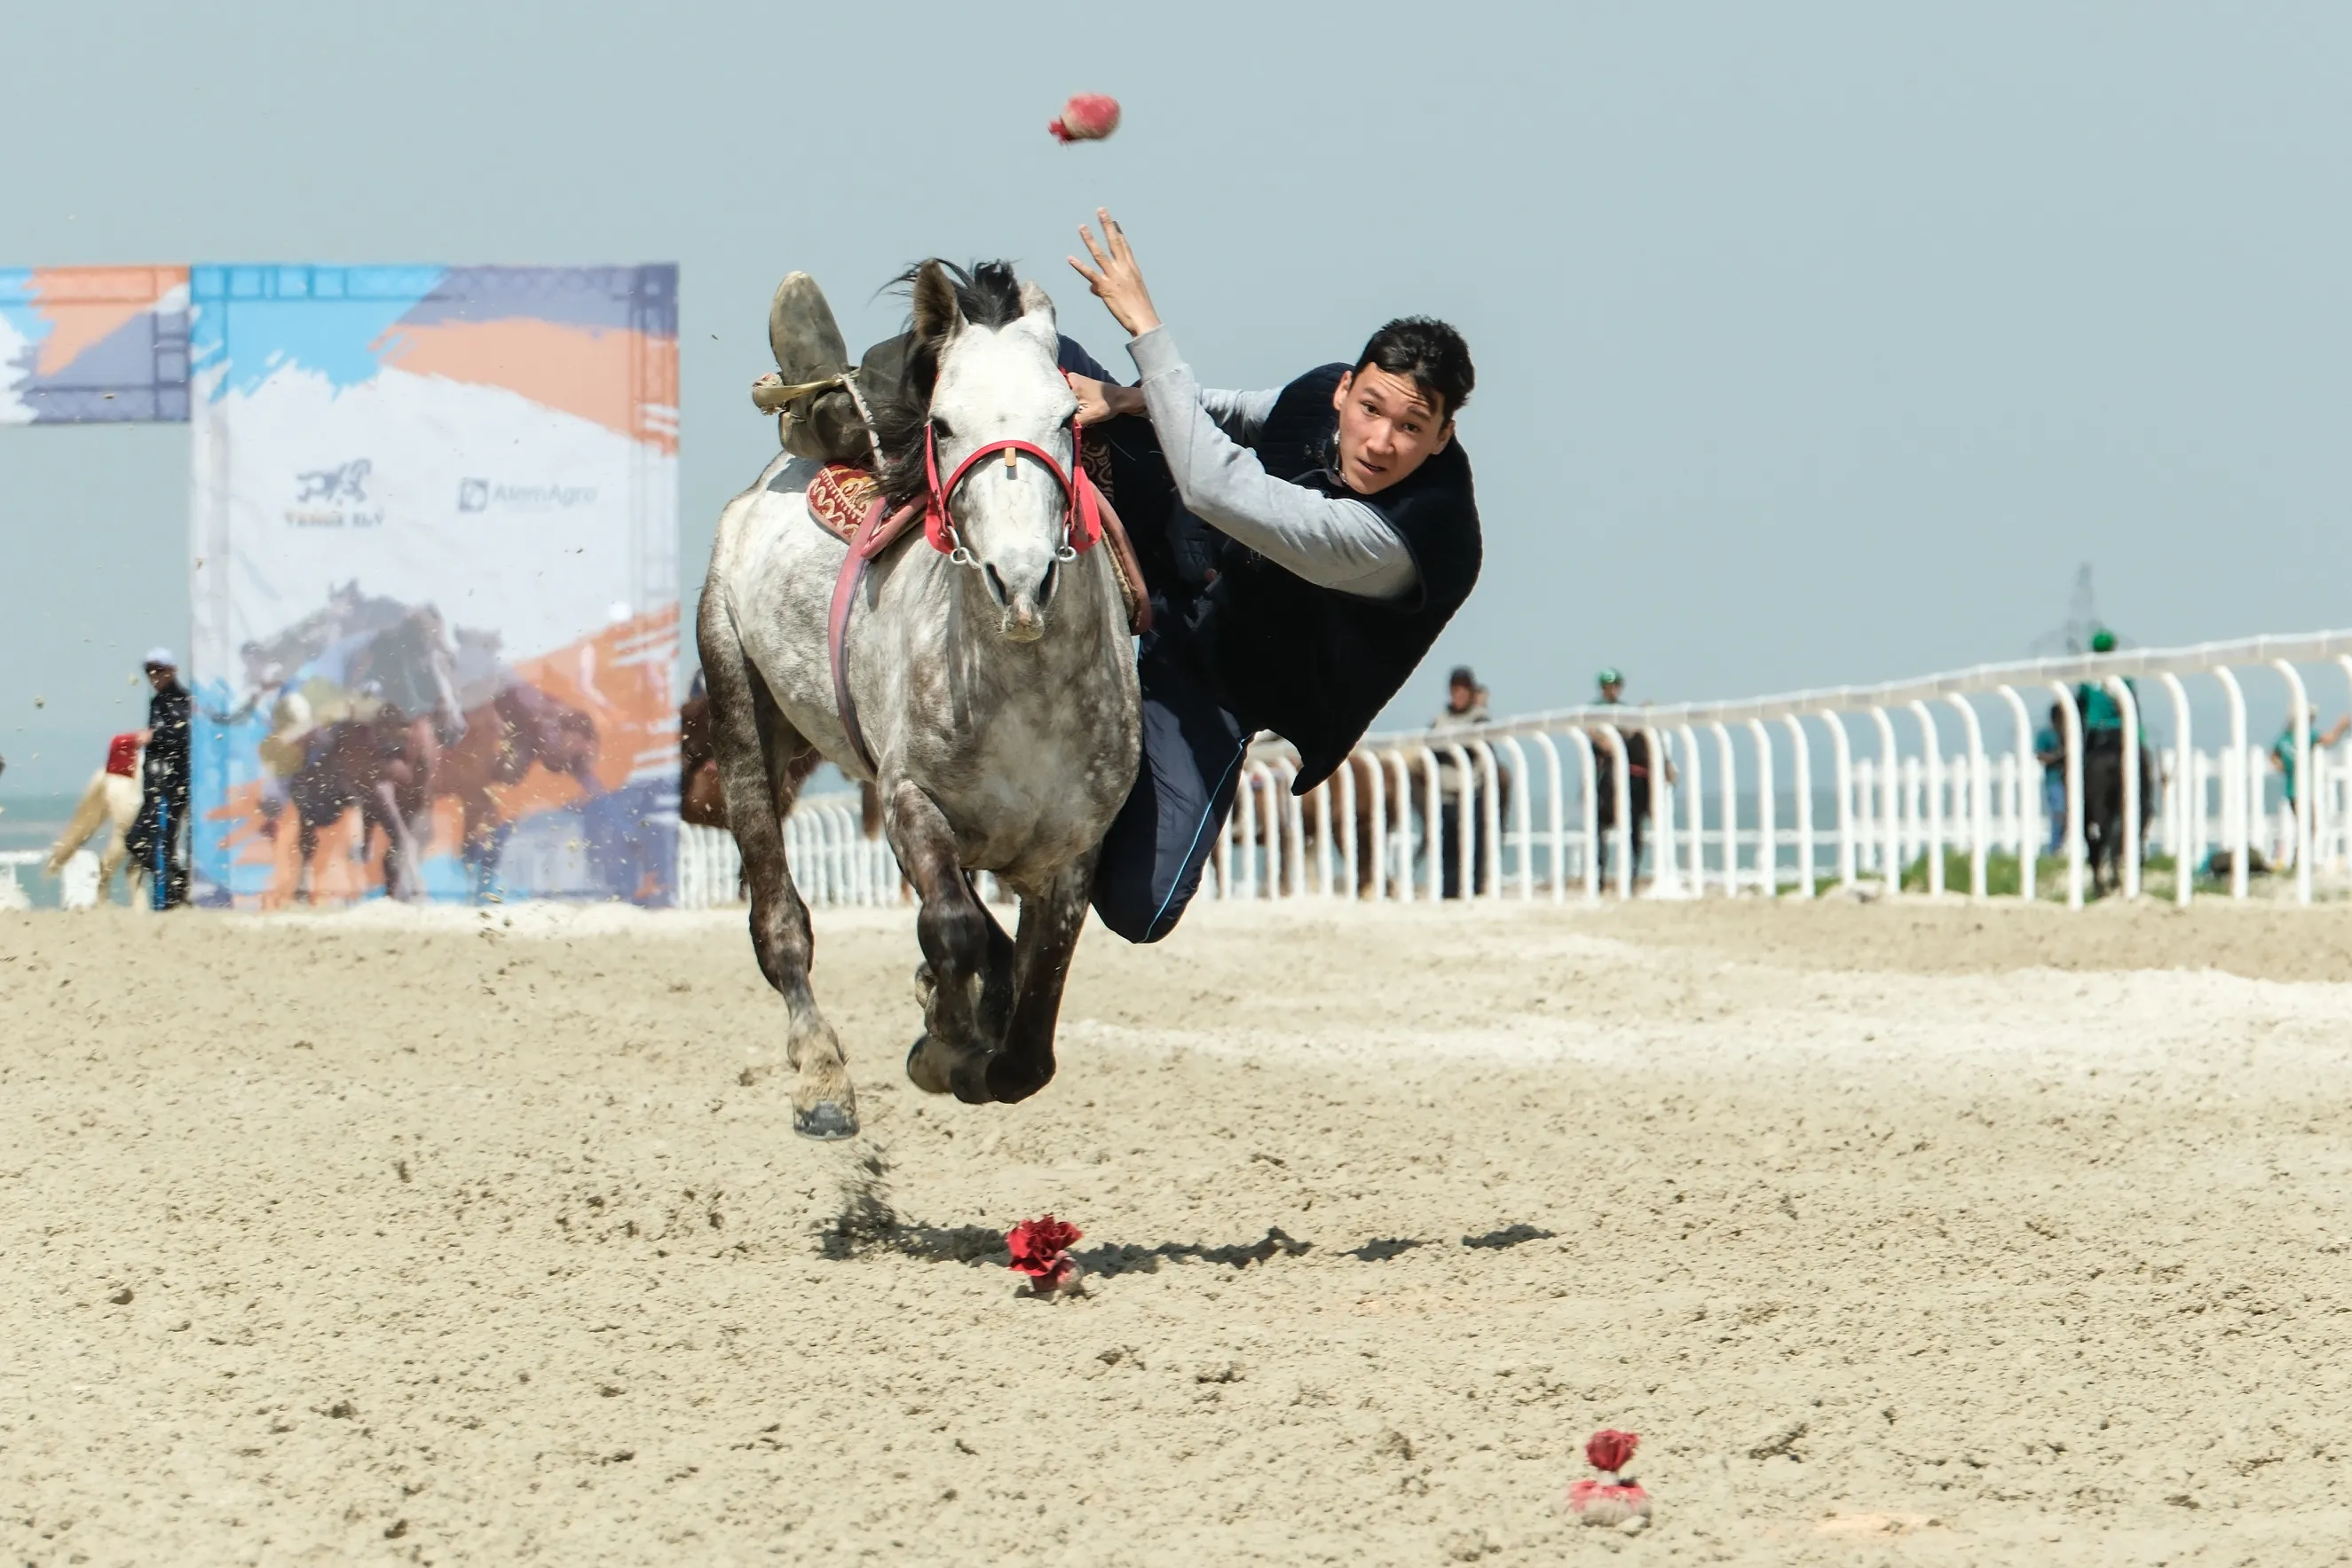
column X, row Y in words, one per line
column 867, row 1223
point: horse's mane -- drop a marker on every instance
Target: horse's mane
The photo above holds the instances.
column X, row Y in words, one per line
column 989, row 295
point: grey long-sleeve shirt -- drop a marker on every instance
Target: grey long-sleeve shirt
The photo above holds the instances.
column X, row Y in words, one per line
column 1332, row 542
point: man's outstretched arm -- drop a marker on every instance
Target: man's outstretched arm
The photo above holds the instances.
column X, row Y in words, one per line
column 1330, row 542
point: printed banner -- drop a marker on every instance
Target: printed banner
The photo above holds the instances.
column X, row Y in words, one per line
column 83, row 345
column 435, row 541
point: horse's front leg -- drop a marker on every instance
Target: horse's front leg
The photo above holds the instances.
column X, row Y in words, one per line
column 1051, row 920
column 951, row 1055
column 403, row 875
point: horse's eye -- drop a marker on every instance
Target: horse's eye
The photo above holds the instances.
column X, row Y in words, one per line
column 940, row 428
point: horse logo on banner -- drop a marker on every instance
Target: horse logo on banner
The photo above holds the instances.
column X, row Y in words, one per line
column 348, row 482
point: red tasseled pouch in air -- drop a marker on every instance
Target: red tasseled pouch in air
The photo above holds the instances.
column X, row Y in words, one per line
column 1614, row 1498
column 1088, row 117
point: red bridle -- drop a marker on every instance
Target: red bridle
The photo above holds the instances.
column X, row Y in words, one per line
column 1082, row 504
column 1082, row 527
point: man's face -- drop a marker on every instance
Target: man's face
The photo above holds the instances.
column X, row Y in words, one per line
column 1388, row 428
column 160, row 675
column 1461, row 697
column 1613, row 691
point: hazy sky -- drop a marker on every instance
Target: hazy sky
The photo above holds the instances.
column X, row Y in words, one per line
column 1816, row 343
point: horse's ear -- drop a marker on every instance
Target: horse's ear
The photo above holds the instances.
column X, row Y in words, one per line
column 937, row 314
column 1035, row 301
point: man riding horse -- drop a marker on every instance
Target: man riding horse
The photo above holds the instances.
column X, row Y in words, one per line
column 1303, row 546
column 1304, row 549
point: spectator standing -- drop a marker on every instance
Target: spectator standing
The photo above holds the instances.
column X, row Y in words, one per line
column 2050, row 750
column 1465, row 708
column 155, row 835
column 2283, row 753
column 1636, row 741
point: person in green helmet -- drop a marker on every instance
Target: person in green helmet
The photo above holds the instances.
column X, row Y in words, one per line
column 2101, row 714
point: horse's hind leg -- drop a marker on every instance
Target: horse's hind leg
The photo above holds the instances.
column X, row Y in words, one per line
column 1051, row 920
column 954, row 929
column 761, row 758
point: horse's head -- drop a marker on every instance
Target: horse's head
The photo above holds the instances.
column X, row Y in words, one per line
column 994, row 342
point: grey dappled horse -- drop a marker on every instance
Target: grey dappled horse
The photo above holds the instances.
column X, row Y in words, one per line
column 996, row 692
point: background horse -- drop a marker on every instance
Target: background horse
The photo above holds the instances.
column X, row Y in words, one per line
column 375, row 767
column 995, row 688
column 503, row 739
column 109, row 801
column 2104, row 760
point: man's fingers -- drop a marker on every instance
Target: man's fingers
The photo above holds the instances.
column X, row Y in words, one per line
column 1114, row 235
column 1102, row 259
column 1094, row 280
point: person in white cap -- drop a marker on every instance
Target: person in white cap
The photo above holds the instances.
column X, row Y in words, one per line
column 155, row 836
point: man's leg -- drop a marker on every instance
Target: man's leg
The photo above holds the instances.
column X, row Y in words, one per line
column 176, row 845
column 1449, row 849
column 1638, row 811
column 1605, row 825
column 1152, row 856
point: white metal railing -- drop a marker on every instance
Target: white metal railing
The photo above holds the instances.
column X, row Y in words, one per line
column 1780, row 814
column 78, row 878
column 1968, row 784
column 833, row 860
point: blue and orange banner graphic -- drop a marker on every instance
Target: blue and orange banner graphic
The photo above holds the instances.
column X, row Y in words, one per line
column 433, row 558
column 83, row 345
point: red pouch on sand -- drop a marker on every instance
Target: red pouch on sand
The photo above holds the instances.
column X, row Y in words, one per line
column 1614, row 1498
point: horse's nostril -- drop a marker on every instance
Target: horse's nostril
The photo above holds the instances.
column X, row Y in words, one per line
column 996, row 585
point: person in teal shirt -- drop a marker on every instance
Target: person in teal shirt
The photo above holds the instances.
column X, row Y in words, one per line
column 2283, row 749
column 2050, row 750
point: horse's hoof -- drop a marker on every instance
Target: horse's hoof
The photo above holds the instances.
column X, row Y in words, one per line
column 826, row 1122
column 924, row 1069
column 1011, row 1080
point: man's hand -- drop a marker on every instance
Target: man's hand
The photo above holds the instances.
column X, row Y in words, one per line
column 1099, row 401
column 1115, row 278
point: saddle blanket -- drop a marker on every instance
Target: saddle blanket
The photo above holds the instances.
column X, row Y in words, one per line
column 840, row 497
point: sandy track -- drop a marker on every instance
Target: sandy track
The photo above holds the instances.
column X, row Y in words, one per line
column 1907, row 1235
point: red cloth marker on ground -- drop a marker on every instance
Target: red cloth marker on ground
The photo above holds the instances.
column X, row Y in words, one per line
column 1615, row 1498
column 1041, row 1249
column 1088, row 117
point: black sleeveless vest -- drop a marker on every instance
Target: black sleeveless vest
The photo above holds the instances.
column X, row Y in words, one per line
column 1313, row 665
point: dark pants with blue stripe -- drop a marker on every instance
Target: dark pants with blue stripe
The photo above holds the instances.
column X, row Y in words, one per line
column 1184, row 785
column 154, row 839
column 1163, row 836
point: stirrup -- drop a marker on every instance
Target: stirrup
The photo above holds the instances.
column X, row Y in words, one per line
column 819, row 416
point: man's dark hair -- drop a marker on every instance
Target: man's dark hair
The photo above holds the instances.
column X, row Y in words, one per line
column 1428, row 353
